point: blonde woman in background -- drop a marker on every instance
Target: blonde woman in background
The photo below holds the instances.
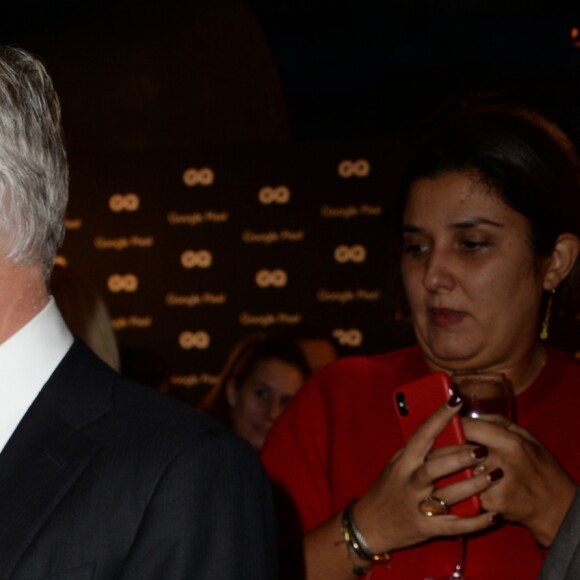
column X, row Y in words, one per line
column 85, row 313
column 260, row 378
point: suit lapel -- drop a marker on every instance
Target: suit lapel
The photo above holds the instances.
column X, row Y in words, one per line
column 48, row 452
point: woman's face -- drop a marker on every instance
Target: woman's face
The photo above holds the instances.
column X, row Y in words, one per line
column 259, row 401
column 470, row 275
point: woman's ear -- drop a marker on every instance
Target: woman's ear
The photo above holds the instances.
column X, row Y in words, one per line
column 231, row 394
column 562, row 260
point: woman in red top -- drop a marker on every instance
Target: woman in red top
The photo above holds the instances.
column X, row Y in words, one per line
column 491, row 230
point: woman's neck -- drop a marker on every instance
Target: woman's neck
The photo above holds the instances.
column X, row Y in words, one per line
column 522, row 370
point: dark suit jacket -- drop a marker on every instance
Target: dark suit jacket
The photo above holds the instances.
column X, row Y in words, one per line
column 106, row 479
column 563, row 560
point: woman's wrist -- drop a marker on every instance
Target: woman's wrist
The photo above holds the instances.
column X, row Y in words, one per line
column 548, row 524
column 358, row 545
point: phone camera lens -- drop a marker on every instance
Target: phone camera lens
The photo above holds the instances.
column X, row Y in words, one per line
column 402, row 404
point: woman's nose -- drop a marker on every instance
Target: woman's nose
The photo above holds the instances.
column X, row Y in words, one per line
column 275, row 410
column 437, row 276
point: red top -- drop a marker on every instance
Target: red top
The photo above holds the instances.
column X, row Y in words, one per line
column 340, row 431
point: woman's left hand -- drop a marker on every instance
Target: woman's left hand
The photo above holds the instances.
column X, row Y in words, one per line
column 534, row 490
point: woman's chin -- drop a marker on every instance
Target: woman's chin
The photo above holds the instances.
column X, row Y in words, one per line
column 454, row 356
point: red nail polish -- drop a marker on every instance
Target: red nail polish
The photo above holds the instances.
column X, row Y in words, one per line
column 496, row 519
column 454, row 401
column 479, row 452
column 495, row 474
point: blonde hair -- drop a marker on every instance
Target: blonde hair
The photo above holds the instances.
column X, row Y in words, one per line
column 85, row 313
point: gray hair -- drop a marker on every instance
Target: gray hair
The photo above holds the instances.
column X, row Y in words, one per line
column 33, row 164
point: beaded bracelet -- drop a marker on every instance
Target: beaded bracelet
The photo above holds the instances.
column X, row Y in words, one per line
column 355, row 540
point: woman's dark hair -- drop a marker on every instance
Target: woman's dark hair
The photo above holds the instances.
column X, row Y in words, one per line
column 243, row 361
column 524, row 158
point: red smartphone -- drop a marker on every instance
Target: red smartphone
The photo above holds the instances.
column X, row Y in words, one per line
column 414, row 403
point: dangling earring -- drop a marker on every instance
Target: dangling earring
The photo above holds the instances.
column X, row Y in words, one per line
column 546, row 322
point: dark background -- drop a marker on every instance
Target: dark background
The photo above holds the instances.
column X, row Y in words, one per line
column 303, row 69
column 269, row 93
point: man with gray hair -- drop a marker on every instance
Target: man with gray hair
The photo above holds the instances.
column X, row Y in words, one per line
column 100, row 478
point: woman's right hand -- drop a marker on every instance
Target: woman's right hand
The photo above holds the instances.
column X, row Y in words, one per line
column 388, row 514
column 534, row 479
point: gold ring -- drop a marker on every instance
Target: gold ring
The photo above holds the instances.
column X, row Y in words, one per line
column 478, row 469
column 433, row 506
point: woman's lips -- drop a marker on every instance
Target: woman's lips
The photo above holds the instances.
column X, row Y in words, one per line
column 445, row 316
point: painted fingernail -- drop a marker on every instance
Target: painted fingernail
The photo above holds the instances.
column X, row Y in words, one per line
column 454, row 400
column 495, row 474
column 479, row 452
column 496, row 519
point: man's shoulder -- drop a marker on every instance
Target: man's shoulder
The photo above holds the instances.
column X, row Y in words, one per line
column 144, row 405
column 106, row 406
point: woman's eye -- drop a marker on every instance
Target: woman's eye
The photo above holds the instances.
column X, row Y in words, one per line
column 415, row 248
column 262, row 393
column 284, row 401
column 473, row 245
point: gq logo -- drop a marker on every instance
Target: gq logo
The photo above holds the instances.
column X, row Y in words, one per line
column 358, row 168
column 356, row 253
column 203, row 176
column 277, row 278
column 200, row 259
column 199, row 340
column 128, row 202
column 123, row 283
column 351, row 337
column 268, row 195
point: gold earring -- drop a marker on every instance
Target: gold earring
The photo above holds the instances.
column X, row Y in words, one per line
column 546, row 322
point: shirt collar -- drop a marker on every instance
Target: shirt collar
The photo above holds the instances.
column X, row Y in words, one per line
column 27, row 360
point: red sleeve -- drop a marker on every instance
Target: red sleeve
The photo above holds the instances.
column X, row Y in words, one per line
column 295, row 454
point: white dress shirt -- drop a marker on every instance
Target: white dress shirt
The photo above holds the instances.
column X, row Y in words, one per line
column 27, row 360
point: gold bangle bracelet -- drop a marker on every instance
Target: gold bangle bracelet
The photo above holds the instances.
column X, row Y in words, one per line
column 356, row 541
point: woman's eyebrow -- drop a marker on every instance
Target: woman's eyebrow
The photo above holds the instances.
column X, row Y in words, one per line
column 473, row 222
column 461, row 225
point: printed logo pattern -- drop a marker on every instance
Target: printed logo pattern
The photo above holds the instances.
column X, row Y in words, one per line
column 201, row 259
column 356, row 253
column 358, row 168
column 185, row 233
column 268, row 195
column 199, row 340
column 277, row 278
column 124, row 202
column 123, row 283
column 352, row 337
column 203, row 176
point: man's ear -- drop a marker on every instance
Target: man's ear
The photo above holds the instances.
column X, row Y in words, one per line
column 231, row 394
column 562, row 260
